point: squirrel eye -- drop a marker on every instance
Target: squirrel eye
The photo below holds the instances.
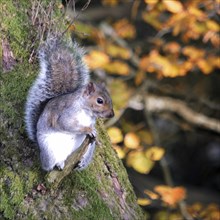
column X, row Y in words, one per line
column 100, row 101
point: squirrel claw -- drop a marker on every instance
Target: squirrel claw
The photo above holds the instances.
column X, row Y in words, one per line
column 93, row 134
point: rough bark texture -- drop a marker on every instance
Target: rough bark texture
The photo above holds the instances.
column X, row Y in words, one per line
column 102, row 191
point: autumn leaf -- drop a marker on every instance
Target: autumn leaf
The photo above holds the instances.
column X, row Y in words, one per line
column 173, row 6
column 159, row 64
column 117, row 52
column 193, row 52
column 172, row 47
column 151, row 2
column 131, row 140
column 212, row 25
column 151, row 194
column 171, row 195
column 139, row 77
column 115, row 135
column 120, row 152
column 155, row 153
column 125, row 29
column 96, row 59
column 117, row 67
column 204, row 66
column 139, row 162
column 143, row 201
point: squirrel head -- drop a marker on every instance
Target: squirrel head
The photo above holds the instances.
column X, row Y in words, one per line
column 98, row 100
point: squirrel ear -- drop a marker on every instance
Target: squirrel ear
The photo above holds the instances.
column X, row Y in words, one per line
column 90, row 88
column 103, row 84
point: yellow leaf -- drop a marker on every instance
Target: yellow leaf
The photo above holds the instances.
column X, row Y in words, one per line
column 120, row 152
column 171, row 195
column 139, row 162
column 117, row 67
column 118, row 52
column 96, row 59
column 151, row 2
column 212, row 25
column 151, row 194
column 115, row 135
column 143, row 201
column 193, row 53
column 173, row 6
column 131, row 140
column 155, row 153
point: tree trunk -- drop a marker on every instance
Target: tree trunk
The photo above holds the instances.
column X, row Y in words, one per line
column 102, row 191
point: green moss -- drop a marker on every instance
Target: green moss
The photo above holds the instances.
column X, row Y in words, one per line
column 15, row 25
column 85, row 187
column 13, row 90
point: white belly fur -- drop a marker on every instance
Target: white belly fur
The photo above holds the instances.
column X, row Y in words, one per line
column 60, row 145
column 85, row 119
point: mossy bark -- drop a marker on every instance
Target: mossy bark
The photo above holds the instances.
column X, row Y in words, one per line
column 102, row 191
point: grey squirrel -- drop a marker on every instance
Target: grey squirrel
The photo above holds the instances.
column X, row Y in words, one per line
column 63, row 105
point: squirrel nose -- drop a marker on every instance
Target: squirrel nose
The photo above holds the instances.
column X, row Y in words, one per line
column 111, row 114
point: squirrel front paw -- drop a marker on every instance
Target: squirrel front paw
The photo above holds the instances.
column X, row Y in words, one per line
column 91, row 131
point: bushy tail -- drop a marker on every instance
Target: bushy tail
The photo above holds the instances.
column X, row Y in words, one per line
column 61, row 71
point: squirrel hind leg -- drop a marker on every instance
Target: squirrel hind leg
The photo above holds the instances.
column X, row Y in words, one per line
column 86, row 158
column 60, row 165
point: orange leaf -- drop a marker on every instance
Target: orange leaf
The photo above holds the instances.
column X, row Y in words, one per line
column 172, row 47
column 125, row 29
column 171, row 195
column 204, row 66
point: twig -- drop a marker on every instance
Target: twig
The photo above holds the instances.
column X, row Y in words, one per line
column 158, row 104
